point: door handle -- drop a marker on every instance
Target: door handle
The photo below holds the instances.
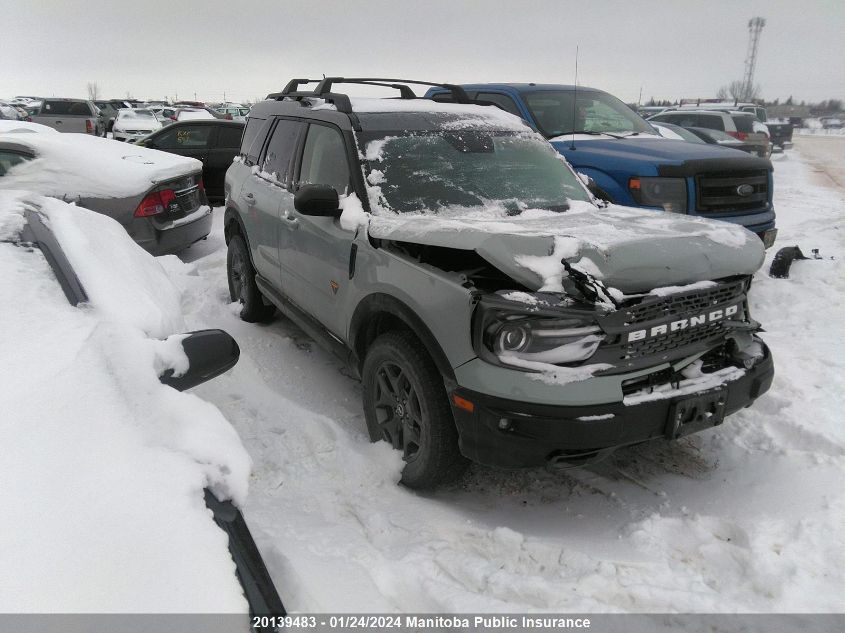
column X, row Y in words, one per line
column 291, row 222
column 250, row 199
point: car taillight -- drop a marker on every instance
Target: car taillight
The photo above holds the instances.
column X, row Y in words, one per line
column 28, row 119
column 155, row 203
column 89, row 127
column 228, row 117
column 739, row 135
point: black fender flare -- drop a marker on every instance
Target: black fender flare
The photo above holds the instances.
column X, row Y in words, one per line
column 381, row 303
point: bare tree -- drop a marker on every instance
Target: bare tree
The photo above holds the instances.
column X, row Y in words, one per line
column 738, row 91
column 93, row 91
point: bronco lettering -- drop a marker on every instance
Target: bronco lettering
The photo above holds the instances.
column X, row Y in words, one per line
column 682, row 324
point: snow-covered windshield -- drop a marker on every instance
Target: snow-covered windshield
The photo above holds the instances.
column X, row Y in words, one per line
column 591, row 113
column 431, row 171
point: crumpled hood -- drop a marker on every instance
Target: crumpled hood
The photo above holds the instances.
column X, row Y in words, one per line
column 629, row 249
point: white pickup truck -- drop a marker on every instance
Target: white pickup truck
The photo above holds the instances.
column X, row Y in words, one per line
column 69, row 115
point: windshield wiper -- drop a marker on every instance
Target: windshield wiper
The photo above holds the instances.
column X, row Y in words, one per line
column 590, row 132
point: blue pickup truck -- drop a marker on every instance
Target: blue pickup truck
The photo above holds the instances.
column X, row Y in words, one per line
column 630, row 163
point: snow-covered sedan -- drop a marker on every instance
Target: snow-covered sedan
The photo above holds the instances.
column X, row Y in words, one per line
column 104, row 465
column 158, row 197
column 131, row 124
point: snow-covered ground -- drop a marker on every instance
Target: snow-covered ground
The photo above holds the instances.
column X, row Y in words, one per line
column 748, row 517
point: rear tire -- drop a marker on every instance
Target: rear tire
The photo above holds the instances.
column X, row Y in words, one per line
column 242, row 286
column 405, row 404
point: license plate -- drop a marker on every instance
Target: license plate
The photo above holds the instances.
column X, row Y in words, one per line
column 694, row 413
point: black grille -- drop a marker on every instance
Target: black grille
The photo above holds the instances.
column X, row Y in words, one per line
column 683, row 303
column 653, row 312
column 672, row 341
column 717, row 192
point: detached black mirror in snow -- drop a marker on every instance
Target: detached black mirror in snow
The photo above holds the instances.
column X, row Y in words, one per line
column 317, row 200
column 210, row 353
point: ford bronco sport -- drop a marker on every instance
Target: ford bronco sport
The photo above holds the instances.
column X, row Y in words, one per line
column 493, row 309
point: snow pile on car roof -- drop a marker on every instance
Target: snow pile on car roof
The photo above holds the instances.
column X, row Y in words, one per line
column 78, row 165
column 103, row 467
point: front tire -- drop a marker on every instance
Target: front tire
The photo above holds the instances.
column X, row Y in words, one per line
column 242, row 286
column 405, row 404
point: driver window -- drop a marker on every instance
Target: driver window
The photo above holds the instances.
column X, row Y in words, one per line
column 324, row 159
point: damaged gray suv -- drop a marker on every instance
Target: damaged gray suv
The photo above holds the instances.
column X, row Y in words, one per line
column 493, row 309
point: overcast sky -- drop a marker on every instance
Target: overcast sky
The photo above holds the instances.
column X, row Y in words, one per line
column 671, row 49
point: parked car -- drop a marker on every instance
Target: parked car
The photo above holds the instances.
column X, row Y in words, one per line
column 69, row 115
column 676, row 132
column 234, row 112
column 108, row 112
column 214, row 142
column 461, row 269
column 780, row 133
column 164, row 113
column 157, row 197
column 127, row 475
column 132, row 124
column 717, row 137
column 14, row 126
column 831, row 123
column 739, row 125
column 620, row 151
column 194, row 114
column 11, row 113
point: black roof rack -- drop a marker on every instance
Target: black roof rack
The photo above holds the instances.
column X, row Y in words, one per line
column 341, row 101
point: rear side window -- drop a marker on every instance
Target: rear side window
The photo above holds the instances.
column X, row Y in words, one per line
column 711, row 121
column 744, row 123
column 250, row 142
column 10, row 159
column 185, row 137
column 66, row 107
column 503, row 101
column 324, row 159
column 229, row 136
column 280, row 149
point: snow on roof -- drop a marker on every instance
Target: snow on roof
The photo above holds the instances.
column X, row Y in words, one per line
column 470, row 114
column 103, row 467
column 79, row 165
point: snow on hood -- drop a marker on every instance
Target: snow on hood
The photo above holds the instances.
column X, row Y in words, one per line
column 103, row 467
column 79, row 165
column 629, row 249
column 647, row 147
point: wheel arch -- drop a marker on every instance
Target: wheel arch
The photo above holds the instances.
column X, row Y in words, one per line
column 379, row 313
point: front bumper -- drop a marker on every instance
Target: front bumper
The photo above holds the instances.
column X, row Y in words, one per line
column 512, row 434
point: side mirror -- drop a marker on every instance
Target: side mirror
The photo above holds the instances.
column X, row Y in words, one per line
column 319, row 200
column 210, row 353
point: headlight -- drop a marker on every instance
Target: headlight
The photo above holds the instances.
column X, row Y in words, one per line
column 508, row 334
column 669, row 193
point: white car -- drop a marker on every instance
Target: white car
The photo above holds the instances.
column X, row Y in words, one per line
column 193, row 114
column 132, row 124
column 104, row 465
column 234, row 112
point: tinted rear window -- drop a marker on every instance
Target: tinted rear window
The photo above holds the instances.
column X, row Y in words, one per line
column 744, row 123
column 229, row 136
column 251, row 143
column 66, row 107
column 712, row 121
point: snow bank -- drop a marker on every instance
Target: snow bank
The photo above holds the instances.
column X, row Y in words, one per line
column 103, row 467
column 79, row 165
